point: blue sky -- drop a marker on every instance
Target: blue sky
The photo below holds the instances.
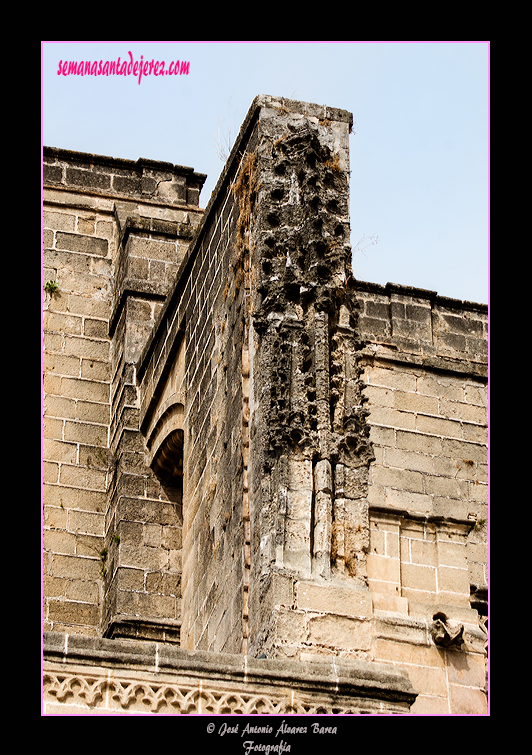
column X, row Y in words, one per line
column 419, row 154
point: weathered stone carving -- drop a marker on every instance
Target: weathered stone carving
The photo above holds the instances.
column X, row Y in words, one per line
column 305, row 314
column 446, row 633
column 144, row 677
column 209, row 472
column 117, row 695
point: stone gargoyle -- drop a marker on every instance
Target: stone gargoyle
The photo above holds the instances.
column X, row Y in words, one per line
column 446, row 633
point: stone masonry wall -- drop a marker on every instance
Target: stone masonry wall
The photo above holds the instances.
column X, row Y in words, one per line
column 246, row 450
column 425, row 370
column 79, row 245
column 143, row 524
column 91, row 204
column 201, row 337
column 309, row 445
column 303, row 535
column 263, row 306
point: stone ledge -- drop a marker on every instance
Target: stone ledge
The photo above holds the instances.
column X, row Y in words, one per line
column 287, row 687
column 419, row 293
column 382, row 353
column 422, row 517
column 109, row 176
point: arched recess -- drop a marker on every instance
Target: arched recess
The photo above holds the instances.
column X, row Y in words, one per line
column 165, row 444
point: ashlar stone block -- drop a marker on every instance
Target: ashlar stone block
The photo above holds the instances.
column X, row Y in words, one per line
column 340, row 632
column 349, row 600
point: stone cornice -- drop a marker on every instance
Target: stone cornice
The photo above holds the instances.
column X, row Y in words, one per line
column 167, row 679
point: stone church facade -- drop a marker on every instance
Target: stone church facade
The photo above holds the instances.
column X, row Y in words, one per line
column 264, row 481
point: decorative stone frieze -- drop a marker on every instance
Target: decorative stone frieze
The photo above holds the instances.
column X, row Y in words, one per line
column 120, row 677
